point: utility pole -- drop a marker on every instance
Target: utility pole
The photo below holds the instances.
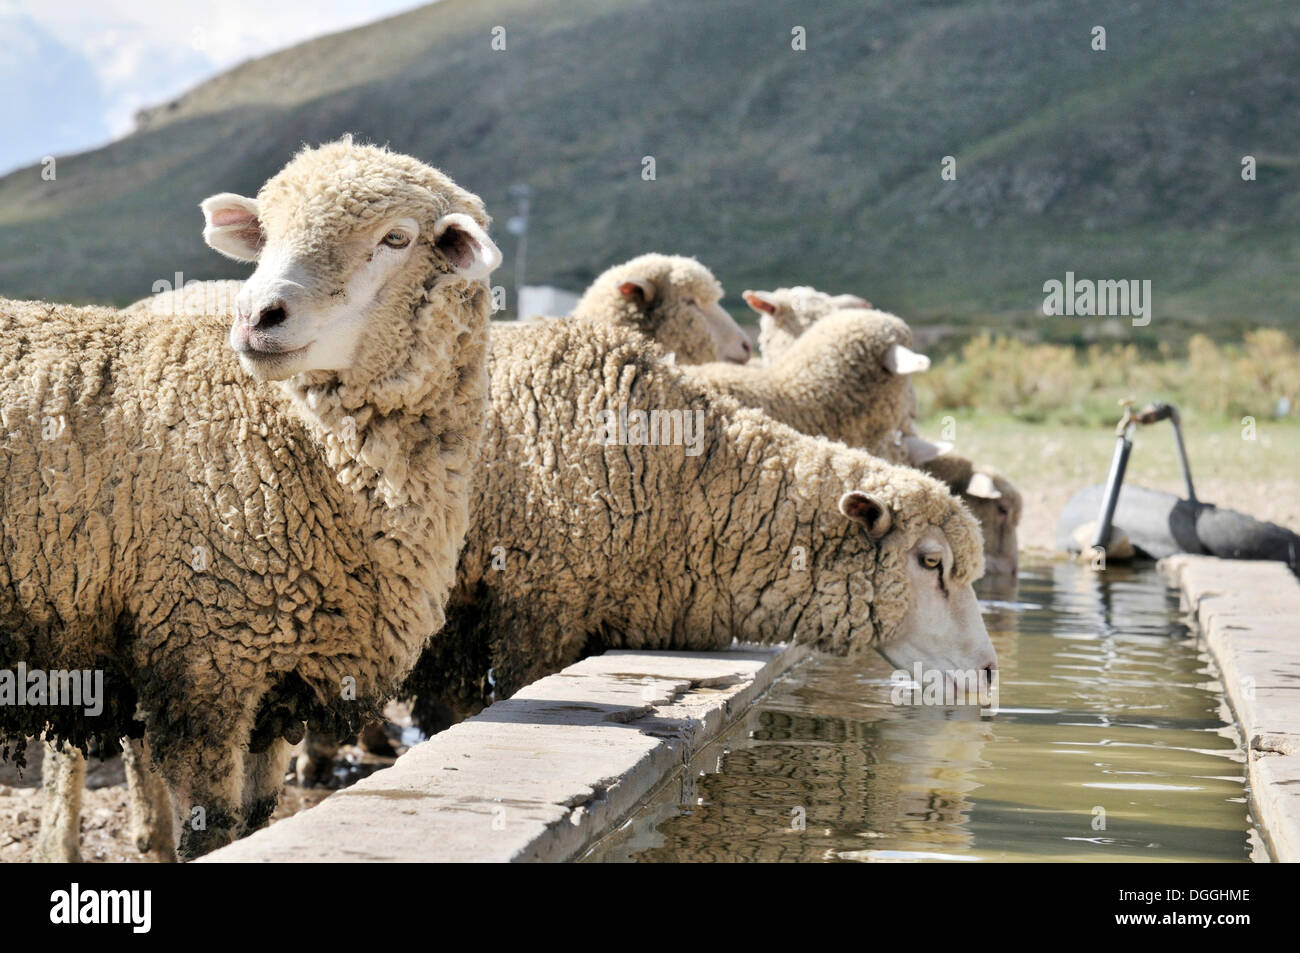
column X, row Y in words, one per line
column 517, row 225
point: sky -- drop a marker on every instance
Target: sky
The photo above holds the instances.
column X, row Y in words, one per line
column 74, row 72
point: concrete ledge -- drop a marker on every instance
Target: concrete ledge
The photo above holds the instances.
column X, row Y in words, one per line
column 1249, row 614
column 539, row 776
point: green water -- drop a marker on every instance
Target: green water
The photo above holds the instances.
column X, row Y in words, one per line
column 1109, row 743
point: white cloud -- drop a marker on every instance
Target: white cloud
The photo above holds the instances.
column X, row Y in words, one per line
column 145, row 52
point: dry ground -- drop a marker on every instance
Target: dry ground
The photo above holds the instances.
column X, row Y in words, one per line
column 105, row 829
column 1260, row 477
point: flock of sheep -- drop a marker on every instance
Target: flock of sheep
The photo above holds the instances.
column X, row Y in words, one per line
column 273, row 518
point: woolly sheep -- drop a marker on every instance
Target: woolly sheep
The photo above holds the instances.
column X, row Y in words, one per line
column 848, row 378
column 673, row 300
column 733, row 527
column 786, row 313
column 245, row 541
column 993, row 500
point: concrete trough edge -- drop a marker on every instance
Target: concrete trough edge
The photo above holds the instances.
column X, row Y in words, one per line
column 1248, row 612
column 540, row 776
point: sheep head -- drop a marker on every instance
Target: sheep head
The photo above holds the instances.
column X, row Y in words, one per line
column 891, row 566
column 859, row 361
column 923, row 604
column 996, row 503
column 348, row 241
column 794, row 310
column 876, row 345
column 991, row 498
column 672, row 299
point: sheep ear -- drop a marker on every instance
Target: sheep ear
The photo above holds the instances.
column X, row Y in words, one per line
column 231, row 226
column 851, row 301
column 982, row 485
column 867, row 510
column 641, row 291
column 920, row 450
column 471, row 253
column 903, row 360
column 760, row 301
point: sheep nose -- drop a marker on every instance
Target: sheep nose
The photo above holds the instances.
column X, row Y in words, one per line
column 269, row 316
column 746, row 347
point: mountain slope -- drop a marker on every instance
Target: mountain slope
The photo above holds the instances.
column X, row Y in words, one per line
column 773, row 166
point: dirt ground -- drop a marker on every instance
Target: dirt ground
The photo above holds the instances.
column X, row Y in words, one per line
column 1260, row 477
column 105, row 819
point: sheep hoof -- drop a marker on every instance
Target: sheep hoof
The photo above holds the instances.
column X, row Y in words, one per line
column 58, row 853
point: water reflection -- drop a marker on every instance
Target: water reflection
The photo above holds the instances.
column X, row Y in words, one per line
column 1109, row 744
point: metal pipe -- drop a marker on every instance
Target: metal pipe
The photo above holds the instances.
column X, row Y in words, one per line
column 1118, row 464
column 517, row 225
column 1182, row 454
column 1158, row 411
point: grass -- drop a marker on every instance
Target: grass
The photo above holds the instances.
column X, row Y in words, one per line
column 1046, row 454
column 1210, row 382
column 1045, row 415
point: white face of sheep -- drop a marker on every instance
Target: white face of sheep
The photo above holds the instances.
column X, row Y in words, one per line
column 728, row 338
column 943, row 630
column 290, row 319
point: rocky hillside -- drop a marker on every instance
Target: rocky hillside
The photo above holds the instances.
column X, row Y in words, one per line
column 771, row 164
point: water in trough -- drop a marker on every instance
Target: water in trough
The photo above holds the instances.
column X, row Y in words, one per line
column 1111, row 742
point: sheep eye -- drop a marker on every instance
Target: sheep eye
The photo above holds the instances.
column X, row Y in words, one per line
column 396, row 239
column 931, row 560
column 689, row 301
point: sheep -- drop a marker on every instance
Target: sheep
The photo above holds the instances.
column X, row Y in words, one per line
column 847, row 378
column 673, row 300
column 670, row 298
column 622, row 503
column 991, row 498
column 254, row 523
column 786, row 313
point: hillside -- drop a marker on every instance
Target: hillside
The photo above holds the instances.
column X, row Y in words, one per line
column 773, row 166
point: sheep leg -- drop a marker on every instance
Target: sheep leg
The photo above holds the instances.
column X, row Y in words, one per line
column 476, row 660
column 263, row 781
column 449, row 670
column 63, row 778
column 207, row 796
column 315, row 763
column 151, row 817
